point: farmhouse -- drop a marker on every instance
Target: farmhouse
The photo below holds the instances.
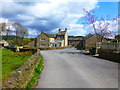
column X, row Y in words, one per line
column 76, row 41
column 61, row 39
column 51, row 40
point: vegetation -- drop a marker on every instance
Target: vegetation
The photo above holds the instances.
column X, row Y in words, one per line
column 34, row 80
column 114, row 40
column 12, row 60
column 20, row 42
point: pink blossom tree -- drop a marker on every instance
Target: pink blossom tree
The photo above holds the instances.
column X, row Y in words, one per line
column 101, row 26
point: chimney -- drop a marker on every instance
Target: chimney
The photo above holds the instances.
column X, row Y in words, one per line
column 65, row 29
column 59, row 30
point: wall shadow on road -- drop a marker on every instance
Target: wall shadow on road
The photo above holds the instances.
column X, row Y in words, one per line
column 76, row 53
column 105, row 59
column 86, row 53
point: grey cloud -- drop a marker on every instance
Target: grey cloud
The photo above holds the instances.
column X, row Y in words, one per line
column 47, row 18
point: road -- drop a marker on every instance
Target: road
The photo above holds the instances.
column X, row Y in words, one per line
column 69, row 68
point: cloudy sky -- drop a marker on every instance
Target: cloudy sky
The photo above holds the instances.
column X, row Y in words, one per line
column 49, row 15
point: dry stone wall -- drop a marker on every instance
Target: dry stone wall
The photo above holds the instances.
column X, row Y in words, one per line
column 20, row 77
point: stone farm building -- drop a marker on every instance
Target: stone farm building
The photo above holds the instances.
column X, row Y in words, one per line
column 51, row 40
column 61, row 39
column 91, row 40
column 76, row 41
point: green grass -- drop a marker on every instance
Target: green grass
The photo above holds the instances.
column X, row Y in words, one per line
column 32, row 83
column 12, row 61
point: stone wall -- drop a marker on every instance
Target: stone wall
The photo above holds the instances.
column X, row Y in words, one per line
column 20, row 77
column 109, row 51
column 109, row 55
column 111, row 46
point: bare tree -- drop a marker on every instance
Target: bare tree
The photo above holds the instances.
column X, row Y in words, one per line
column 3, row 28
column 20, row 31
column 8, row 31
column 17, row 27
column 24, row 32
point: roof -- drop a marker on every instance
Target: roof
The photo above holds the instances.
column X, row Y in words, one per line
column 61, row 33
column 98, row 36
column 50, row 35
column 75, row 37
column 88, row 36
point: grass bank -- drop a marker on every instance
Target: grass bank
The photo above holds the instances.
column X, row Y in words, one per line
column 12, row 61
column 37, row 71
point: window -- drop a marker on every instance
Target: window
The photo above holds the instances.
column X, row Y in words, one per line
column 42, row 45
column 42, row 39
column 71, row 43
column 61, row 37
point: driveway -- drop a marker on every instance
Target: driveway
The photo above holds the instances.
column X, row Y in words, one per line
column 69, row 68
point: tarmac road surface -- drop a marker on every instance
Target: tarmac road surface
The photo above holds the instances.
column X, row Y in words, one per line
column 69, row 68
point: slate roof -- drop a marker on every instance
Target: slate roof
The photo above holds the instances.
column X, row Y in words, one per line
column 75, row 37
column 50, row 35
column 88, row 36
column 61, row 33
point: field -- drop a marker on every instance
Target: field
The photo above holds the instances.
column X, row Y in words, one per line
column 12, row 60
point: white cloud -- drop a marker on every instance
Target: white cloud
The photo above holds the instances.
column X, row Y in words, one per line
column 77, row 32
column 76, row 29
column 75, row 26
column 8, row 23
column 33, row 32
column 25, row 17
column 3, row 20
column 68, row 12
column 52, row 15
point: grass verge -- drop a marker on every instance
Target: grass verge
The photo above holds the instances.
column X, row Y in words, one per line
column 34, row 80
column 12, row 61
